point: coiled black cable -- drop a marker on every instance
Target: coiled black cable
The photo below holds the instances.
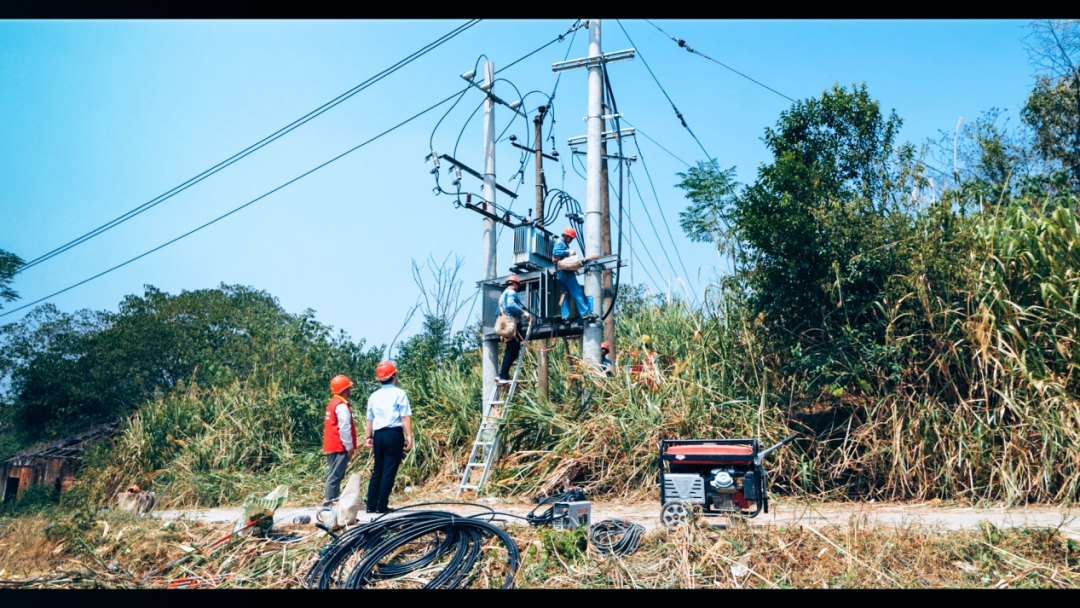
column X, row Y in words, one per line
column 353, row 560
column 616, row 536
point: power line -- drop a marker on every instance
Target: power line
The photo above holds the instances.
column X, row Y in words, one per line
column 638, row 130
column 657, row 81
column 689, row 48
column 250, row 149
column 223, row 216
column 655, row 231
column 634, row 253
column 663, row 217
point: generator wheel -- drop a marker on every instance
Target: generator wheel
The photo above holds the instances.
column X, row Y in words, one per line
column 674, row 513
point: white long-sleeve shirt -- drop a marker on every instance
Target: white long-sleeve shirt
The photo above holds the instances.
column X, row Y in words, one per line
column 345, row 423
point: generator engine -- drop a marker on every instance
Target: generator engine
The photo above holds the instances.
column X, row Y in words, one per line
column 722, row 476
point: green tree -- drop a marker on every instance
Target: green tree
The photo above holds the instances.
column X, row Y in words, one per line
column 65, row 370
column 9, row 266
column 711, row 192
column 1053, row 107
column 809, row 229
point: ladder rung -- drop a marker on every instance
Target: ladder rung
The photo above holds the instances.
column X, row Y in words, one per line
column 483, row 442
column 496, row 402
column 470, row 487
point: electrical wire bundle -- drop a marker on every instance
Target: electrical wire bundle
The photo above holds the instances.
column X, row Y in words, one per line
column 354, row 559
column 616, row 536
column 548, row 516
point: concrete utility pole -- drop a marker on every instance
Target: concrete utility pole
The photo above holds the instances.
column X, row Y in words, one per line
column 590, row 344
column 490, row 349
column 605, row 248
column 538, row 152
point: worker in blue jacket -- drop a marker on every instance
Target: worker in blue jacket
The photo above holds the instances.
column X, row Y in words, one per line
column 568, row 280
column 510, row 304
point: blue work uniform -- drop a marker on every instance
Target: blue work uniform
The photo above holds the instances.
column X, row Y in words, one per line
column 568, row 283
column 608, row 367
column 510, row 304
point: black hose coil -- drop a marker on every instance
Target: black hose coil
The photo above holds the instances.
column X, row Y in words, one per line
column 616, row 536
column 352, row 561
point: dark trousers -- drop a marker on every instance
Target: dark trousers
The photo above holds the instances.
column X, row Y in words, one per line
column 389, row 449
column 510, row 355
column 338, row 461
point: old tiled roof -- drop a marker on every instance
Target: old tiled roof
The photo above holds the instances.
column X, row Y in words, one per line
column 70, row 447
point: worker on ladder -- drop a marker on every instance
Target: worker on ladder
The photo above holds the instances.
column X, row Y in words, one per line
column 388, row 433
column 568, row 279
column 510, row 304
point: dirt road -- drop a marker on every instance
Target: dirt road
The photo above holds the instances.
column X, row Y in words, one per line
column 782, row 514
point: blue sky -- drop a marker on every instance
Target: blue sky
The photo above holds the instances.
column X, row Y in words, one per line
column 98, row 117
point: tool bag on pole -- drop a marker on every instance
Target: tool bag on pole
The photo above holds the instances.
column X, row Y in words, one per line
column 505, row 325
column 570, row 262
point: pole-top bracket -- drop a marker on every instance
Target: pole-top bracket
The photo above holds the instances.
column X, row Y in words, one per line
column 588, row 62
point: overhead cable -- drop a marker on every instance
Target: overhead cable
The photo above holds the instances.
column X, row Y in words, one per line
column 250, row 149
column 225, row 215
column 691, row 49
column 662, row 90
column 637, row 129
column 221, row 217
column 667, row 226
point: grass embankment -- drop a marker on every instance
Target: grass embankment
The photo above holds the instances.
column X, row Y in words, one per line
column 117, row 551
column 970, row 395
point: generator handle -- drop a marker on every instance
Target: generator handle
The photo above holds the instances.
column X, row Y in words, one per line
column 761, row 455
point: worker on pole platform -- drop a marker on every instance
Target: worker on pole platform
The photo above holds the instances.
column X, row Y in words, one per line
column 510, row 304
column 606, row 364
column 388, row 431
column 339, row 436
column 568, row 279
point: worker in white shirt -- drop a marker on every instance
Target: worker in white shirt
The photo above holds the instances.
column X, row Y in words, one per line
column 339, row 436
column 388, row 431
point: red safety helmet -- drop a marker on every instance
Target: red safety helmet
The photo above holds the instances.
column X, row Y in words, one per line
column 513, row 279
column 339, row 383
column 570, row 232
column 605, row 346
column 385, row 370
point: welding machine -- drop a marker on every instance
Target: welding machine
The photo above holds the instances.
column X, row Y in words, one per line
column 570, row 515
column 723, row 476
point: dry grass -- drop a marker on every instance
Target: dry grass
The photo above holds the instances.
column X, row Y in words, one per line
column 853, row 555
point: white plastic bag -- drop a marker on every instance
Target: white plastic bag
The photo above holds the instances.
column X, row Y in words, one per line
column 348, row 504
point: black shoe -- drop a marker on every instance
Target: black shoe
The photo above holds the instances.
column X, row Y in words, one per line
column 387, row 510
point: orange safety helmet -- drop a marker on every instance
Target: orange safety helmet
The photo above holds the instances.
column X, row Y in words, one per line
column 513, row 279
column 339, row 383
column 605, row 346
column 570, row 232
column 385, row 370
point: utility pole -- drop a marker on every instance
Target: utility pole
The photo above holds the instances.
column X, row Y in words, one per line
column 590, row 344
column 490, row 348
column 538, row 152
column 605, row 248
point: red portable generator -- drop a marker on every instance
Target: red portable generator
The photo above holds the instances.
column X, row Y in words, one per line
column 724, row 476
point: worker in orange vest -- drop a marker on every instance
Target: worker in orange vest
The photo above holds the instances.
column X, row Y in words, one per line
column 339, row 436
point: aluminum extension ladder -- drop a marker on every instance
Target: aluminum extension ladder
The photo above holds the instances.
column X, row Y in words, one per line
column 486, row 445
